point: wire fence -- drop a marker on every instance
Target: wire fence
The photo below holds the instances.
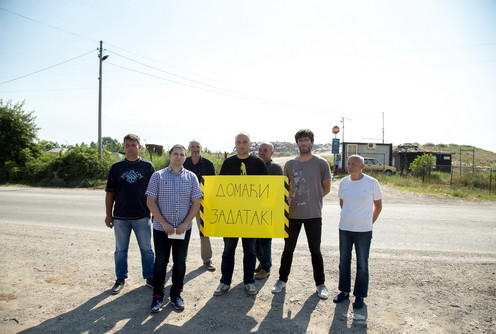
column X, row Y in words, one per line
column 478, row 177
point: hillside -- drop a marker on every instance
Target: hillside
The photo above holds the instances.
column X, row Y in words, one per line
column 470, row 155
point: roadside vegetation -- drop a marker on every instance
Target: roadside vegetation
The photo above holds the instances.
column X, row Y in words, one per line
column 472, row 184
column 24, row 159
column 469, row 186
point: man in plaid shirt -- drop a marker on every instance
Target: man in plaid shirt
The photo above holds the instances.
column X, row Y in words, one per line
column 173, row 196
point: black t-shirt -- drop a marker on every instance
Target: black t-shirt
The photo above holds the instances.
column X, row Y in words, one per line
column 129, row 180
column 203, row 167
column 250, row 166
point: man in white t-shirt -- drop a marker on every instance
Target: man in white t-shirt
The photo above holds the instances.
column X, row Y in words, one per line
column 360, row 198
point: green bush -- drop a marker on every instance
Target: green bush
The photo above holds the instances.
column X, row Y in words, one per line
column 436, row 178
column 476, row 180
column 422, row 165
column 80, row 167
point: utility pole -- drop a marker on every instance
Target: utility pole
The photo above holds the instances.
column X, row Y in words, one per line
column 342, row 134
column 342, row 128
column 383, row 127
column 101, row 59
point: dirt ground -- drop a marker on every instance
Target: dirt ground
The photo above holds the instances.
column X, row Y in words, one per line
column 58, row 281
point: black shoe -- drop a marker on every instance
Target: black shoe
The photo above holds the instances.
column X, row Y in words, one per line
column 149, row 282
column 157, row 303
column 119, row 284
column 177, row 302
column 358, row 303
column 340, row 297
column 209, row 265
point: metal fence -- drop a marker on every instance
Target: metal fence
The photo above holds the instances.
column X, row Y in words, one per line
column 478, row 177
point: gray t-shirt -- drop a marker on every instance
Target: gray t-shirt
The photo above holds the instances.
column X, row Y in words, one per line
column 305, row 186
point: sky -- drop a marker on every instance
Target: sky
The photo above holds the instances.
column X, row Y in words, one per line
column 397, row 71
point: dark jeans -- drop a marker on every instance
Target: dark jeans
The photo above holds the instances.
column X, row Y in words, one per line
column 163, row 246
column 249, row 259
column 313, row 230
column 263, row 249
column 362, row 241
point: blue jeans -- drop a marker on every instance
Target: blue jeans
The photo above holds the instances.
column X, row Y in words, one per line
column 163, row 246
column 313, row 230
column 362, row 241
column 249, row 259
column 142, row 231
column 263, row 249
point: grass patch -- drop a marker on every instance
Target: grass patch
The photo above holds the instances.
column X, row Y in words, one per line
column 471, row 187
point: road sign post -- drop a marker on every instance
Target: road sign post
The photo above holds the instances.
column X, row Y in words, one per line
column 335, row 146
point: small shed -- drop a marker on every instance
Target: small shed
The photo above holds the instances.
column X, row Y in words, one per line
column 155, row 149
column 404, row 154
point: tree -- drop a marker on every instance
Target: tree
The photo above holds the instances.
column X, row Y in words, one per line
column 47, row 145
column 18, row 135
column 112, row 144
column 422, row 165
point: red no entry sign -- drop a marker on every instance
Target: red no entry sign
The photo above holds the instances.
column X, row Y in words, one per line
column 335, row 129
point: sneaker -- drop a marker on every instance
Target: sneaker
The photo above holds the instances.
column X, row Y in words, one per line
column 358, row 303
column 278, row 286
column 177, row 302
column 221, row 289
column 210, row 266
column 157, row 303
column 119, row 284
column 341, row 297
column 149, row 282
column 322, row 292
column 251, row 289
column 261, row 274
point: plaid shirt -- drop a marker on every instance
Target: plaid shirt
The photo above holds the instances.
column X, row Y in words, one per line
column 174, row 193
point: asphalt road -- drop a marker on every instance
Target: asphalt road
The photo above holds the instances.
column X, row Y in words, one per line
column 458, row 227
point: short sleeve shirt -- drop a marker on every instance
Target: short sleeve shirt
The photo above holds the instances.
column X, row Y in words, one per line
column 129, row 180
column 358, row 203
column 203, row 167
column 252, row 165
column 305, row 183
column 273, row 168
column 174, row 193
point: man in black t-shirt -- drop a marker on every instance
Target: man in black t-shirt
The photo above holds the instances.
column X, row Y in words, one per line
column 201, row 166
column 243, row 163
column 126, row 210
column 264, row 245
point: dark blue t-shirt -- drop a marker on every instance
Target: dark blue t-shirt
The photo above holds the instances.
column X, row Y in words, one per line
column 129, row 180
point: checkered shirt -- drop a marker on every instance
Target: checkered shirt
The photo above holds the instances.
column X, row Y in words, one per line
column 174, row 193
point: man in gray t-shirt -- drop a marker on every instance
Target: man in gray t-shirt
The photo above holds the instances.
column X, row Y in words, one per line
column 309, row 181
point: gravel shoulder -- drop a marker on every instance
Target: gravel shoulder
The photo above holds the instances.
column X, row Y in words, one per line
column 58, row 281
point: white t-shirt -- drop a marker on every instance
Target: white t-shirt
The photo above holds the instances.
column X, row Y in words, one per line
column 358, row 203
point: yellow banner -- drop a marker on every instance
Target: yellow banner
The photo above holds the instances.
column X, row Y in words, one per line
column 249, row 206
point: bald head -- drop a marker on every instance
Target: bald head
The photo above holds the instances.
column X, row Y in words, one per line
column 242, row 143
column 265, row 151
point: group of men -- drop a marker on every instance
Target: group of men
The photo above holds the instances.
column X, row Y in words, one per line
column 172, row 195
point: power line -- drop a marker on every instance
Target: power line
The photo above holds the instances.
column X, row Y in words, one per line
column 214, row 89
column 47, row 68
column 233, row 94
column 209, row 88
column 47, row 25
